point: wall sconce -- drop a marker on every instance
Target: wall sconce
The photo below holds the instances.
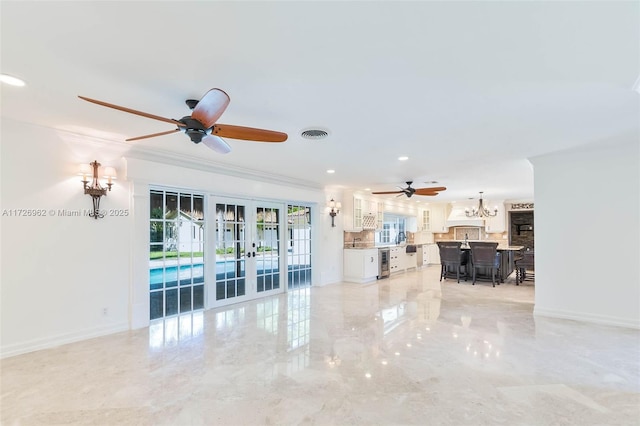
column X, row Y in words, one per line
column 335, row 209
column 93, row 188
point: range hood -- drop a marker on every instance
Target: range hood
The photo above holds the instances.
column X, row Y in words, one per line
column 458, row 217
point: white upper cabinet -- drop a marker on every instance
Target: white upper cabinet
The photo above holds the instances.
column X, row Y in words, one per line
column 411, row 224
column 357, row 212
column 379, row 215
column 361, row 213
column 425, row 220
column 498, row 223
column 438, row 218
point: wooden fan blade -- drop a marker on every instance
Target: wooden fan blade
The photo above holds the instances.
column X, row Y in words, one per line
column 211, row 107
column 428, row 194
column 153, row 135
column 248, row 133
column 389, row 192
column 133, row 111
column 426, row 191
column 217, row 144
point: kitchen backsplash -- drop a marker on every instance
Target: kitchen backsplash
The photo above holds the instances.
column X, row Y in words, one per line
column 362, row 239
column 366, row 238
column 478, row 233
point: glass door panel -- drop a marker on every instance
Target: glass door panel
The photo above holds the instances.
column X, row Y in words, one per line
column 230, row 247
column 176, row 261
column 267, row 253
column 299, row 246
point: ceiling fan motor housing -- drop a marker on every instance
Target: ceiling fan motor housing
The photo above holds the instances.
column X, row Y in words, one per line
column 194, row 129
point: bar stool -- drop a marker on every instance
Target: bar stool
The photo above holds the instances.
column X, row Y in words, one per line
column 451, row 255
column 524, row 263
column 485, row 255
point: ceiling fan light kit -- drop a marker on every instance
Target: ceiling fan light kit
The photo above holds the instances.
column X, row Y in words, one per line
column 201, row 125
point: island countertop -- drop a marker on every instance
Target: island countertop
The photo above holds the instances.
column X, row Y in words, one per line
column 501, row 246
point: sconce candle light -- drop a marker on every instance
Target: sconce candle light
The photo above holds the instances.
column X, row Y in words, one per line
column 92, row 187
column 335, row 209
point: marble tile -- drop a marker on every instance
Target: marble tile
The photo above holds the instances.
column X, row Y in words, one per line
column 400, row 351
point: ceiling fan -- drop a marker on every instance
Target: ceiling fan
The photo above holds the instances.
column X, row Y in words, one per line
column 201, row 125
column 409, row 191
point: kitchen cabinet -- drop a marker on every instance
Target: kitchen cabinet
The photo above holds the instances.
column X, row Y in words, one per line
column 425, row 255
column 400, row 260
column 379, row 215
column 357, row 212
column 360, row 265
column 410, row 260
column 411, row 224
column 498, row 223
column 433, row 254
column 438, row 218
column 395, row 260
column 363, row 213
column 425, row 220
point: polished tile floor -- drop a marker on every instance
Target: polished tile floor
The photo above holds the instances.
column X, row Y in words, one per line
column 405, row 350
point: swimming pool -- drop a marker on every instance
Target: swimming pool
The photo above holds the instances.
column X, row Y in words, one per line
column 171, row 276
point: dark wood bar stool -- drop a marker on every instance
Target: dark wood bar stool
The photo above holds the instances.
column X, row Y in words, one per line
column 451, row 255
column 525, row 265
column 485, row 255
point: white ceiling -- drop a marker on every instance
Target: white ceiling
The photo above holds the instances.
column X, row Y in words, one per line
column 467, row 90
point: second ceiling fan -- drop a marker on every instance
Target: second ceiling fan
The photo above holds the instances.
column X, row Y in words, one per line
column 201, row 125
column 409, row 191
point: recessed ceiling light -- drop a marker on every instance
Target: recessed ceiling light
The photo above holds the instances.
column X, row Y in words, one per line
column 403, row 158
column 331, row 171
column 14, row 81
column 367, row 189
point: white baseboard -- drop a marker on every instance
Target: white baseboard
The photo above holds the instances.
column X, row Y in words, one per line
column 591, row 318
column 61, row 339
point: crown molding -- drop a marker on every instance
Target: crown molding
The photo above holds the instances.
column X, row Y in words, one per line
column 181, row 160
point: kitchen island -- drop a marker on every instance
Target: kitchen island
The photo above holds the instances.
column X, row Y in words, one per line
column 507, row 259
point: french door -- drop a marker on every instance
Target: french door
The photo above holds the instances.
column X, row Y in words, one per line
column 248, row 247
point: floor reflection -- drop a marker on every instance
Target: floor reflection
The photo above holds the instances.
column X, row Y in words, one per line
column 170, row 331
column 405, row 350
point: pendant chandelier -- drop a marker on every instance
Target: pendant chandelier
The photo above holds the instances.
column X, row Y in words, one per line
column 481, row 210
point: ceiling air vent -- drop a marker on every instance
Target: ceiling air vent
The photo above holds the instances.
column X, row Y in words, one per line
column 314, row 134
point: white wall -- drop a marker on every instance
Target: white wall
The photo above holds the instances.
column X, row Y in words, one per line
column 59, row 273
column 587, row 213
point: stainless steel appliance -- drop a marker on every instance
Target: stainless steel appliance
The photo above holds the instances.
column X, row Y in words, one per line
column 383, row 263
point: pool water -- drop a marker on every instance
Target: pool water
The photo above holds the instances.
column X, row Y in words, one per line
column 171, row 273
column 186, row 274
